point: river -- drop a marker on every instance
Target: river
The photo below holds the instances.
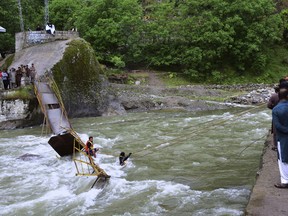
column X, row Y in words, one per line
column 182, row 163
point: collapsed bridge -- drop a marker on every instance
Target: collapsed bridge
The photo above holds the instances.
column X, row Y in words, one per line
column 45, row 50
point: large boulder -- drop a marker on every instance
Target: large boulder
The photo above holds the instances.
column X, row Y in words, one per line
column 83, row 85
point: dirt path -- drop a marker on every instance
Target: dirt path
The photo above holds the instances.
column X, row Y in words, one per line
column 155, row 80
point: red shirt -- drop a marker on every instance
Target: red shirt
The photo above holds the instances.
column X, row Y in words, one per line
column 88, row 145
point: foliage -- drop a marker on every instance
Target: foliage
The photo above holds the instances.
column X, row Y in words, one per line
column 109, row 25
column 8, row 62
column 173, row 79
column 78, row 76
column 10, row 22
column 63, row 13
column 139, row 76
column 33, row 15
column 79, row 68
column 277, row 63
column 117, row 61
column 23, row 93
column 207, row 40
column 222, row 33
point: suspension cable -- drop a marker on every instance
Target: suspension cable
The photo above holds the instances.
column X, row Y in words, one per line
column 195, row 132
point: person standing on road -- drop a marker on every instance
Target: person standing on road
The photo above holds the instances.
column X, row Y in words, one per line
column 33, row 73
column 5, row 78
column 1, row 82
column 18, row 77
column 12, row 76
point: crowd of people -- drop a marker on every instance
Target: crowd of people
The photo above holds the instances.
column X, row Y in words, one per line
column 278, row 102
column 15, row 78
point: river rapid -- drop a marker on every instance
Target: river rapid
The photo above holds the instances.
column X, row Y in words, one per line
column 182, row 163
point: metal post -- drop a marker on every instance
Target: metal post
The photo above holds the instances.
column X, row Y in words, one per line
column 21, row 16
column 95, row 182
column 46, row 12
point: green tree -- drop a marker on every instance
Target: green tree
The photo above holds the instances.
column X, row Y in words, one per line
column 224, row 32
column 111, row 26
column 10, row 21
column 32, row 11
column 161, row 42
column 63, row 13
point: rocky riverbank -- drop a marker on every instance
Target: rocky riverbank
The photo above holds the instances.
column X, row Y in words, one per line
column 190, row 98
column 140, row 98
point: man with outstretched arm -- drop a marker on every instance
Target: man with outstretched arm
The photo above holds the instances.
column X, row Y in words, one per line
column 123, row 158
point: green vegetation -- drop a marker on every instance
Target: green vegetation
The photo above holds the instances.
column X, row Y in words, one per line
column 33, row 15
column 201, row 41
column 172, row 79
column 78, row 63
column 78, row 76
column 139, row 76
column 8, row 62
column 23, row 93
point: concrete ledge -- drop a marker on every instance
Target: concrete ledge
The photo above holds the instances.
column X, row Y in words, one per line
column 265, row 199
column 31, row 38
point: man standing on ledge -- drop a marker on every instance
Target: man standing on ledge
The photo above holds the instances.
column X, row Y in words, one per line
column 280, row 121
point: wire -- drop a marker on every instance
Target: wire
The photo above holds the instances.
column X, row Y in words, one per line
column 194, row 132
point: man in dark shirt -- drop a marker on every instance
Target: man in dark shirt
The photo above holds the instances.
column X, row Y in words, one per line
column 273, row 101
column 123, row 158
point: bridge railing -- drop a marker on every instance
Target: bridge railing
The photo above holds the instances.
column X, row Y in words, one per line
column 31, row 38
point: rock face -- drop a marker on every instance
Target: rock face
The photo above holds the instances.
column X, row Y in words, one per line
column 19, row 113
column 13, row 109
column 143, row 98
column 82, row 83
column 253, row 94
column 257, row 96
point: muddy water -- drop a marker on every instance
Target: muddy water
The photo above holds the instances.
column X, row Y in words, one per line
column 182, row 164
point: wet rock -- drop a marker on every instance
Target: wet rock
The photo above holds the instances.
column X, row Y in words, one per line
column 254, row 97
column 29, row 157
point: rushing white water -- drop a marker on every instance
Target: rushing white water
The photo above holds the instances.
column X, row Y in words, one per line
column 182, row 164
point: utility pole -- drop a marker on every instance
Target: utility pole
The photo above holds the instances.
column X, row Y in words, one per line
column 46, row 18
column 21, row 16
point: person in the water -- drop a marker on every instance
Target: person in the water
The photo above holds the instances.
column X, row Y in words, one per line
column 90, row 150
column 123, row 158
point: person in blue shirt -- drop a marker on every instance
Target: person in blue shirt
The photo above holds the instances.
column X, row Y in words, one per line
column 280, row 121
column 5, row 78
